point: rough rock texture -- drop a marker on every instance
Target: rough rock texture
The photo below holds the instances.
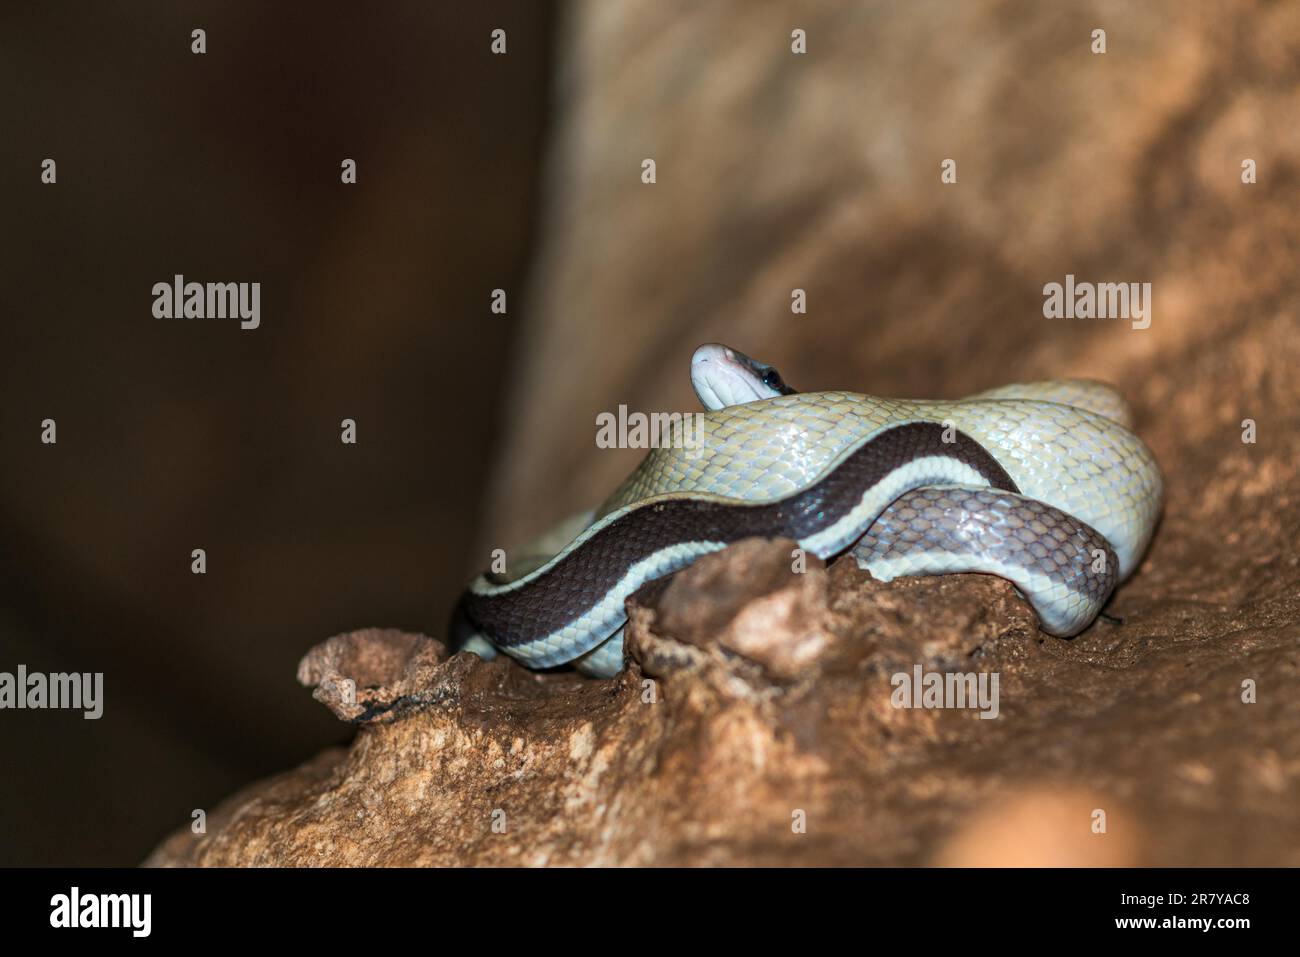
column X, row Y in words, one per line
column 757, row 725
column 769, row 734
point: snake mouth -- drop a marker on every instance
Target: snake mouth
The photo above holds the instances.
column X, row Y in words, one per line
column 723, row 376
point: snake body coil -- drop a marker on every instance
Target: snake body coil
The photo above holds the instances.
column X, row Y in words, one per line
column 1042, row 484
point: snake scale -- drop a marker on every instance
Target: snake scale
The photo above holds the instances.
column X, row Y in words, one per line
column 1043, row 484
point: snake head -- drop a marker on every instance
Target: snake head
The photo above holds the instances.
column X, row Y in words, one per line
column 723, row 376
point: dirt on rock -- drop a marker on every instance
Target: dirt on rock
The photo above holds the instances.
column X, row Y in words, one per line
column 759, row 723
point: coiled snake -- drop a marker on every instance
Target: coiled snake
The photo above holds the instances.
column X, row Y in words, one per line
column 1042, row 484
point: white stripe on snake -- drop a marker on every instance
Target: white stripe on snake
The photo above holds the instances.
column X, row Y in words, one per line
column 1042, row 484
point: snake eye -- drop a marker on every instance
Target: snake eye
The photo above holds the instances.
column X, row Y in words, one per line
column 772, row 379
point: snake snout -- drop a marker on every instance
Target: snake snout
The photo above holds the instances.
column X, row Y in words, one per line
column 723, row 377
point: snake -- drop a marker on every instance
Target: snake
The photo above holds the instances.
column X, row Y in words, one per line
column 1044, row 484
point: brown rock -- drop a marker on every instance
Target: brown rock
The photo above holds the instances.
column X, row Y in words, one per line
column 723, row 752
column 372, row 674
column 764, row 601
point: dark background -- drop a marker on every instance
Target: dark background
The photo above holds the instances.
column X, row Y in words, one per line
column 183, row 434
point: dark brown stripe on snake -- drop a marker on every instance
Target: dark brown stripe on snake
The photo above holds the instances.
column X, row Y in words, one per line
column 582, row 578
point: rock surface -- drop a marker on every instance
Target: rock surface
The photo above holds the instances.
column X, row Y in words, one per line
column 756, row 723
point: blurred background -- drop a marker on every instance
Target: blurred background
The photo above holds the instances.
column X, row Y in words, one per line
column 175, row 435
column 775, row 171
